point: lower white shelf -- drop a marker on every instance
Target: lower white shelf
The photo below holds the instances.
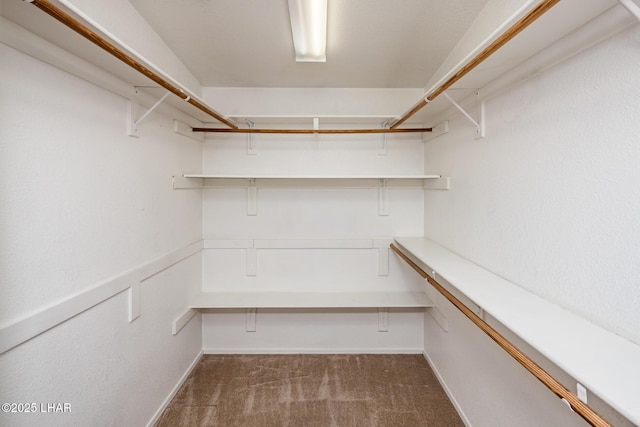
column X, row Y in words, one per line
column 310, row 300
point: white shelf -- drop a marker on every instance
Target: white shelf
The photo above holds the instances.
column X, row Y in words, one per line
column 308, row 177
column 601, row 361
column 306, row 119
column 253, row 181
column 236, row 300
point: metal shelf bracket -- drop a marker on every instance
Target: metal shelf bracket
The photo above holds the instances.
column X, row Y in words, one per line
column 382, row 140
column 383, row 319
column 132, row 123
column 252, row 146
column 479, row 124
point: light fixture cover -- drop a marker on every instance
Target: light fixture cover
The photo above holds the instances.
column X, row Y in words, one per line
column 309, row 29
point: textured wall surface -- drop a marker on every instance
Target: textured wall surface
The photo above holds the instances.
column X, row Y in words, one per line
column 82, row 202
column 548, row 200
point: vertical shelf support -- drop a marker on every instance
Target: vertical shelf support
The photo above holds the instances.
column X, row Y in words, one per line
column 252, row 261
column 480, row 127
column 382, row 139
column 439, row 318
column 252, row 198
column 383, row 319
column 383, row 198
column 134, row 301
column 251, row 319
column 252, row 148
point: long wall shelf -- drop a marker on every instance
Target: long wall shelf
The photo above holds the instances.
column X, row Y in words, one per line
column 307, row 177
column 187, row 181
column 253, row 181
column 567, row 340
column 239, row 300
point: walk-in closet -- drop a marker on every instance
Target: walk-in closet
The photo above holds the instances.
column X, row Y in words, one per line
column 320, row 213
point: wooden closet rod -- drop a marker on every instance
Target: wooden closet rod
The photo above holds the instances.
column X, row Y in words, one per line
column 57, row 13
column 312, row 131
column 577, row 405
column 514, row 30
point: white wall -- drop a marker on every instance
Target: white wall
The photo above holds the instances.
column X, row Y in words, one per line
column 315, row 213
column 83, row 203
column 548, row 200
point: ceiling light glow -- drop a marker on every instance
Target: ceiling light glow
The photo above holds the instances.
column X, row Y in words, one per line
column 309, row 29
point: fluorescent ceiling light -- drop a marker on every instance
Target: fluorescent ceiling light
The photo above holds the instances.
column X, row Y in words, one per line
column 309, row 29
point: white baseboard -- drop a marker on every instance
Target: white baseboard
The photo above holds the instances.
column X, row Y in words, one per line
column 174, row 391
column 323, row 350
column 450, row 395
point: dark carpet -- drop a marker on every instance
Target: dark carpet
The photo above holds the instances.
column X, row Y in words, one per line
column 311, row 390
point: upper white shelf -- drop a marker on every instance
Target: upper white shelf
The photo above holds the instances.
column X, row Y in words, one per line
column 260, row 119
column 605, row 363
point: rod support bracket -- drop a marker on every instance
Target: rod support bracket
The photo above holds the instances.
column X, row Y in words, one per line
column 252, row 148
column 479, row 124
column 382, row 140
column 132, row 123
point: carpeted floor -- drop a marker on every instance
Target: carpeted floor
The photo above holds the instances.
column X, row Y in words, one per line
column 311, row 390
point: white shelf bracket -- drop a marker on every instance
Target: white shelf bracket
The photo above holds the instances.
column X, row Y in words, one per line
column 134, row 301
column 479, row 124
column 632, row 7
column 382, row 139
column 182, row 320
column 439, row 318
column 252, row 147
column 252, row 261
column 180, row 183
column 251, row 319
column 442, row 183
column 383, row 198
column 436, row 131
column 383, row 319
column 186, row 130
column 252, row 198
column 133, row 123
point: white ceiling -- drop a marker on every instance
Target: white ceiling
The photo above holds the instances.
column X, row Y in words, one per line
column 370, row 43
